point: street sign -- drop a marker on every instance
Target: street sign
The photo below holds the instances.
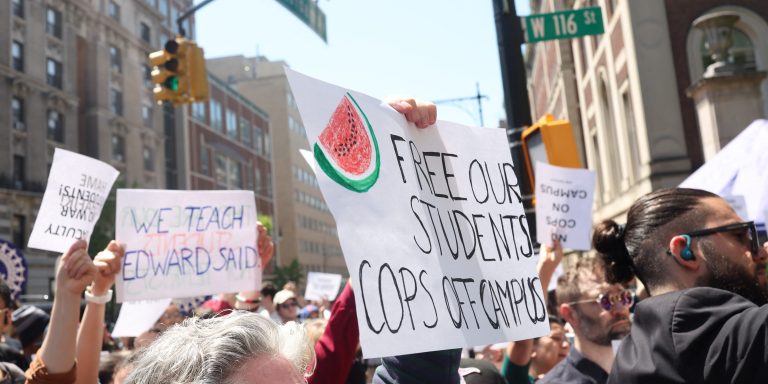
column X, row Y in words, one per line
column 564, row 24
column 308, row 12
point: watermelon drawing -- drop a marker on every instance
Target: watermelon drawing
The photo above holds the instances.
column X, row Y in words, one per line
column 347, row 150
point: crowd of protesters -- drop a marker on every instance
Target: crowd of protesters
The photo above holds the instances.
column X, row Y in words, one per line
column 704, row 321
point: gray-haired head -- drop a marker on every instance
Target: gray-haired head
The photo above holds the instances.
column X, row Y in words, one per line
column 224, row 350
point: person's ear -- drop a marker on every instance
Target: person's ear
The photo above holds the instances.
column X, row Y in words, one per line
column 568, row 314
column 680, row 248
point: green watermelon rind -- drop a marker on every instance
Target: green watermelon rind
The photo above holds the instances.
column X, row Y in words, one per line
column 361, row 185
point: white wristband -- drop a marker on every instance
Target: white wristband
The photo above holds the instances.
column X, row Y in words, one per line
column 103, row 299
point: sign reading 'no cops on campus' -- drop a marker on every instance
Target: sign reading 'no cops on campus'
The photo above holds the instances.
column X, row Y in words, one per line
column 431, row 225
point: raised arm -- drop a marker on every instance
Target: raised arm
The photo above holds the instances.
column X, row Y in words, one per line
column 90, row 336
column 55, row 361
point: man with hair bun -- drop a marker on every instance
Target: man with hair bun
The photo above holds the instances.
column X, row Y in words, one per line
column 706, row 320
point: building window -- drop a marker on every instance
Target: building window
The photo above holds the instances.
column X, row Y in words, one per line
column 216, row 115
column 17, row 56
column 19, row 172
column 742, row 51
column 55, row 126
column 146, row 115
column 163, row 7
column 153, row 3
column 204, row 159
column 246, row 132
column 145, row 32
column 116, row 101
column 53, row 22
column 18, row 8
column 17, row 113
column 198, row 111
column 174, row 17
column 267, row 145
column 19, row 231
column 163, row 39
column 631, row 129
column 147, row 76
column 54, row 70
column 114, row 10
column 115, row 59
column 258, row 140
column 149, row 159
column 118, row 148
column 257, row 181
column 228, row 173
column 614, row 164
column 231, row 124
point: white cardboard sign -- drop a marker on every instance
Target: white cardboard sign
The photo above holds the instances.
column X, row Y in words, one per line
column 77, row 188
column 322, row 285
column 137, row 317
column 186, row 243
column 431, row 225
column 564, row 199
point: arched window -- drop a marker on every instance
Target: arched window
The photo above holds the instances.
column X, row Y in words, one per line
column 742, row 51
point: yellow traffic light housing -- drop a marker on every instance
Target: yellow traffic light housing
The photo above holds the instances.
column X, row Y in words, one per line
column 179, row 72
column 549, row 141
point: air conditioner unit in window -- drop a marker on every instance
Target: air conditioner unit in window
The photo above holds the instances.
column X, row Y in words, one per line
column 19, row 125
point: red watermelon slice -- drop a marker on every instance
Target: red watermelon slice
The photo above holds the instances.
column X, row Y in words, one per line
column 347, row 150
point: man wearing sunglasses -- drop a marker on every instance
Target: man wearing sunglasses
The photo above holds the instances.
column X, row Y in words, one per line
column 599, row 314
column 706, row 319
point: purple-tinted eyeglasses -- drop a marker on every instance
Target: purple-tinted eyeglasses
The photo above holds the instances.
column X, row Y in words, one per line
column 608, row 301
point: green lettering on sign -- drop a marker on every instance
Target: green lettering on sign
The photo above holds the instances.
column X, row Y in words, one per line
column 563, row 25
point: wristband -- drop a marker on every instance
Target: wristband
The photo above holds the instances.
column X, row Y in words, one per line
column 103, row 299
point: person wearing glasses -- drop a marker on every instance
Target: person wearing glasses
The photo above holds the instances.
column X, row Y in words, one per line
column 598, row 313
column 705, row 320
column 286, row 306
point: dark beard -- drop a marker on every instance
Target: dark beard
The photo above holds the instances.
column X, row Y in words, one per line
column 595, row 332
column 733, row 278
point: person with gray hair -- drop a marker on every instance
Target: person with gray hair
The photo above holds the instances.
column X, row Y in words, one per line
column 240, row 348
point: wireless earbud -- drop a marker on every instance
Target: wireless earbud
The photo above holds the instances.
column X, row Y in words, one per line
column 686, row 253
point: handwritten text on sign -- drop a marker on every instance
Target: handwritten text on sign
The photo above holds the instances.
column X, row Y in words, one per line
column 186, row 243
column 431, row 225
column 77, row 188
column 564, row 205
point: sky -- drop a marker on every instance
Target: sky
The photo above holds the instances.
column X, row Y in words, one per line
column 428, row 49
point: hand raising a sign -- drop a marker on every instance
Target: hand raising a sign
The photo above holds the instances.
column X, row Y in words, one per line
column 421, row 113
column 108, row 264
column 76, row 270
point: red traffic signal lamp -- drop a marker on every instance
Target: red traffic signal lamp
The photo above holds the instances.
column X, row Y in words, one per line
column 550, row 141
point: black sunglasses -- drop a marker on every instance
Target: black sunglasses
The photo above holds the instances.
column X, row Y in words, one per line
column 754, row 244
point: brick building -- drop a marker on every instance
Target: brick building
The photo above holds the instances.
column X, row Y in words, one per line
column 631, row 93
column 74, row 75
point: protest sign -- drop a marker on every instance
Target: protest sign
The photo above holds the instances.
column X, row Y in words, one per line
column 322, row 286
column 430, row 221
column 738, row 203
column 186, row 243
column 564, row 199
column 137, row 317
column 77, row 188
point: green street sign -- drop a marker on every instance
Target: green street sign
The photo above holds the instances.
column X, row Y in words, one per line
column 564, row 24
column 308, row 12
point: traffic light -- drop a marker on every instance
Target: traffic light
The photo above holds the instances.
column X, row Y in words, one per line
column 179, row 72
column 549, row 141
column 165, row 73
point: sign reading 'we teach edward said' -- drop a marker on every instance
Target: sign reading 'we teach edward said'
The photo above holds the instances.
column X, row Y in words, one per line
column 431, row 225
column 77, row 188
column 186, row 243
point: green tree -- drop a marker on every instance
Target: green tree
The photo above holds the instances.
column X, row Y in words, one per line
column 291, row 272
column 266, row 221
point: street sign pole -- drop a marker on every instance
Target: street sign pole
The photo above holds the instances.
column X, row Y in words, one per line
column 509, row 33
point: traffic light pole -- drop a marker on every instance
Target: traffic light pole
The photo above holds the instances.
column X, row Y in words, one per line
column 187, row 14
column 509, row 33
